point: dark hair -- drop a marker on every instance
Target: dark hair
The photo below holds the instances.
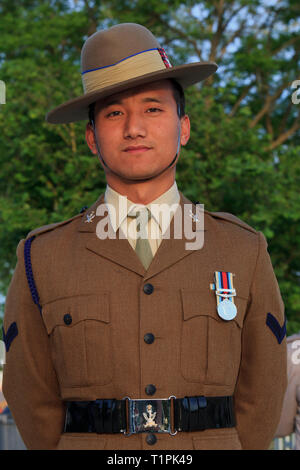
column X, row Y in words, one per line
column 179, row 98
column 178, row 94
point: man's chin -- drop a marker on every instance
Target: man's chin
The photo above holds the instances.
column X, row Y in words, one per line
column 137, row 176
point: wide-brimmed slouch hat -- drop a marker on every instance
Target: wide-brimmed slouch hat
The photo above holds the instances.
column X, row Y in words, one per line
column 122, row 57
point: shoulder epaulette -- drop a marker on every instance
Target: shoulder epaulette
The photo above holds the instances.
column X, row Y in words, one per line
column 232, row 219
column 47, row 228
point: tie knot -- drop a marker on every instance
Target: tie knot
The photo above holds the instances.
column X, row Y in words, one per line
column 143, row 213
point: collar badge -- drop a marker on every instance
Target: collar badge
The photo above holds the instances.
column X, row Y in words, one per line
column 89, row 217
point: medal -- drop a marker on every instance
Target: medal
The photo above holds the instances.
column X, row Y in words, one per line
column 225, row 293
column 227, row 310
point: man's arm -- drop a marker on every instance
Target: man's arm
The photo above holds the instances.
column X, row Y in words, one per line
column 262, row 378
column 29, row 380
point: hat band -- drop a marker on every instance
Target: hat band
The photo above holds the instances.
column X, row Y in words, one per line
column 131, row 67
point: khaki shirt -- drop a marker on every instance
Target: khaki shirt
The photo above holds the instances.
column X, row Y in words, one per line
column 167, row 204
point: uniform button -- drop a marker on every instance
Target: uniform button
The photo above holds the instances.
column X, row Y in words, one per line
column 148, row 288
column 151, row 439
column 67, row 319
column 149, row 338
column 150, row 389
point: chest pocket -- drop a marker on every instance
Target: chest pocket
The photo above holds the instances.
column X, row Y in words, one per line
column 80, row 335
column 210, row 347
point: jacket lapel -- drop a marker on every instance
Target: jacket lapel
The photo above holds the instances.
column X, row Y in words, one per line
column 173, row 249
column 115, row 249
column 119, row 251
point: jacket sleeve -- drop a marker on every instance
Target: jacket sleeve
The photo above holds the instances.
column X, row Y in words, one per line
column 30, row 384
column 262, row 377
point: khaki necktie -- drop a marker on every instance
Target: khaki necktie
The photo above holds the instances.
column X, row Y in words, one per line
column 142, row 248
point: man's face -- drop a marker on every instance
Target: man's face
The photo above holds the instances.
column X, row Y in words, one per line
column 138, row 130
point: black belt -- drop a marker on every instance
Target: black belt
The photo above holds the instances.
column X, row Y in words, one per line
column 131, row 416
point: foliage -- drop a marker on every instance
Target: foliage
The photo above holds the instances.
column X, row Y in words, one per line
column 243, row 154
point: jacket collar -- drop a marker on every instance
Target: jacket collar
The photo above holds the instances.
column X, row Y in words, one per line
column 118, row 250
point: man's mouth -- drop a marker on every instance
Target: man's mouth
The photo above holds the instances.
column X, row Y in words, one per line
column 136, row 149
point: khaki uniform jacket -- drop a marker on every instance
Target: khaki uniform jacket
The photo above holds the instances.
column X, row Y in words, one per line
column 290, row 416
column 102, row 353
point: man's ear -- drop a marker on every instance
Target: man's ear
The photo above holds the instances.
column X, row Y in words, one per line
column 90, row 138
column 185, row 127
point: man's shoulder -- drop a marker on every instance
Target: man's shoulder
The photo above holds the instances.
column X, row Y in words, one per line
column 50, row 227
column 231, row 220
column 225, row 219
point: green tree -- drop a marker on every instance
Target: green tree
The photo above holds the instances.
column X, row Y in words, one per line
column 243, row 154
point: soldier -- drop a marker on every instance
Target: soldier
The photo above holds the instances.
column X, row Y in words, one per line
column 116, row 339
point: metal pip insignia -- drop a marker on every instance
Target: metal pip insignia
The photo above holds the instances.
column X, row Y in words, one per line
column 225, row 293
column 89, row 217
column 194, row 217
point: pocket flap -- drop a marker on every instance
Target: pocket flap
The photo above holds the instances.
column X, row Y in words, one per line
column 200, row 302
column 78, row 308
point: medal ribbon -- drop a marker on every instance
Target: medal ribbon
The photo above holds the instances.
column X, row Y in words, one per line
column 223, row 281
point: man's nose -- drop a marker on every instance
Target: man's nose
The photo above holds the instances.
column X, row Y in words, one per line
column 134, row 126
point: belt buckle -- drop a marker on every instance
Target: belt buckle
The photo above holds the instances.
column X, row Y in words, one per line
column 152, row 415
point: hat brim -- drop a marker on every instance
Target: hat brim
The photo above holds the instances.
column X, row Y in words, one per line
column 77, row 109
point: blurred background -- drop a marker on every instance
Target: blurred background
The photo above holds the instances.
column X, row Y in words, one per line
column 243, row 155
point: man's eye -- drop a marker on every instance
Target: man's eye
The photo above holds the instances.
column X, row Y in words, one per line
column 153, row 110
column 114, row 113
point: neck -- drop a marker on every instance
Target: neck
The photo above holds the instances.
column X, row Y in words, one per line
column 141, row 192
